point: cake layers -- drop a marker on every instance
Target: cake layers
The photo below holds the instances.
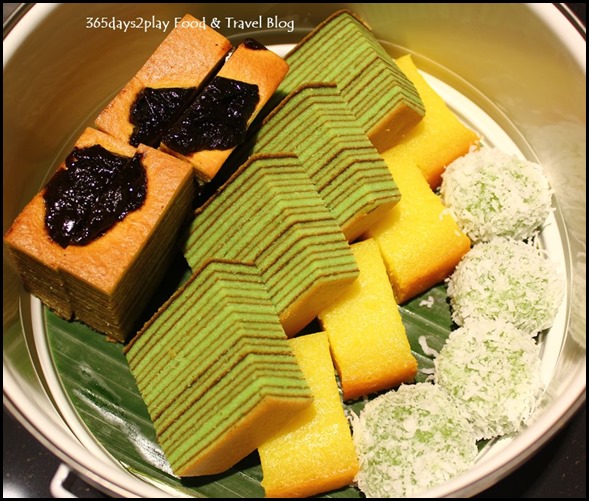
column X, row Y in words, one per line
column 165, row 84
column 251, row 65
column 237, row 376
column 107, row 283
column 270, row 213
column 315, row 122
column 345, row 51
column 214, row 342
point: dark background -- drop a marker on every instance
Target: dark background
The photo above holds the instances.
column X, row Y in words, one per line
column 558, row 470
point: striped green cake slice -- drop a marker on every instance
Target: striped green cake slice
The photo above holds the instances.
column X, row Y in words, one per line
column 290, row 219
column 279, row 370
column 162, row 394
column 344, row 50
column 256, row 232
column 236, row 207
column 247, row 316
column 316, row 123
column 298, row 259
column 176, row 314
column 218, row 439
column 221, row 379
column 201, row 366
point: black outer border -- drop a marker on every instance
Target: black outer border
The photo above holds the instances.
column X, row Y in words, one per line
column 576, row 14
column 15, row 17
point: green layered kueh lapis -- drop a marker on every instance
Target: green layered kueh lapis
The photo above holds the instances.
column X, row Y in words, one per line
column 344, row 51
column 270, row 213
column 316, row 124
column 214, row 363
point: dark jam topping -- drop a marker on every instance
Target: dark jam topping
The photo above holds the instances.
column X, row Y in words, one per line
column 216, row 120
column 252, row 44
column 154, row 110
column 97, row 189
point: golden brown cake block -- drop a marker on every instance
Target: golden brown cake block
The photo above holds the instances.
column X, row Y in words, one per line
column 107, row 283
column 37, row 257
column 185, row 59
column 253, row 65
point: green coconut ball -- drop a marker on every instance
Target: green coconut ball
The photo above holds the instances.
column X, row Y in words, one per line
column 492, row 370
column 493, row 194
column 509, row 280
column 410, row 440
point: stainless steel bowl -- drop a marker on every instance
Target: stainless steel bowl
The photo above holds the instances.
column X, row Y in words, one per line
column 526, row 62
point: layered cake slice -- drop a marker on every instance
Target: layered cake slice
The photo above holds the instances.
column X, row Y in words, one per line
column 270, row 213
column 169, row 80
column 316, row 124
column 343, row 50
column 96, row 241
column 217, row 121
column 237, row 376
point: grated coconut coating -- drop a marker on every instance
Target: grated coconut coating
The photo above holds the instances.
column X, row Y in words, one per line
column 410, row 440
column 493, row 194
column 508, row 280
column 492, row 369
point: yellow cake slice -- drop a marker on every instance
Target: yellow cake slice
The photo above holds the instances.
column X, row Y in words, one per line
column 419, row 240
column 368, row 342
column 438, row 139
column 314, row 453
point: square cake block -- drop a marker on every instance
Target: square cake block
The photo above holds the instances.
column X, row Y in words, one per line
column 420, row 241
column 367, row 336
column 251, row 65
column 107, row 282
column 182, row 63
column 316, row 448
column 439, row 139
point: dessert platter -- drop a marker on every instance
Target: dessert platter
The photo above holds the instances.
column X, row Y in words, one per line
column 297, row 262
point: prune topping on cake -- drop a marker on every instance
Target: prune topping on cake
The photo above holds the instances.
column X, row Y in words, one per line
column 217, row 119
column 154, row 110
column 252, row 44
column 185, row 60
column 97, row 189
